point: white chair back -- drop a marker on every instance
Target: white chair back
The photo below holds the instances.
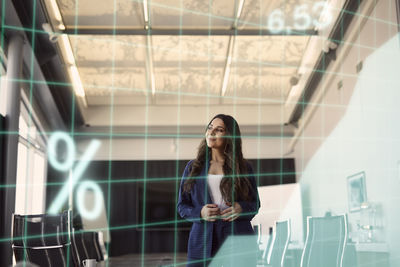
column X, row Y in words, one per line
column 280, row 242
column 325, row 242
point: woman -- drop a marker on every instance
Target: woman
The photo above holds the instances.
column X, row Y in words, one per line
column 218, row 191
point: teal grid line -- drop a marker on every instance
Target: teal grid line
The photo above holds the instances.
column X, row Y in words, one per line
column 111, row 134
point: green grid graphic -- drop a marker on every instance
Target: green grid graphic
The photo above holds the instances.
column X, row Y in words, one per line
column 325, row 133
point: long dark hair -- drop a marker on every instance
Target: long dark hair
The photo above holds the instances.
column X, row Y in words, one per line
column 235, row 166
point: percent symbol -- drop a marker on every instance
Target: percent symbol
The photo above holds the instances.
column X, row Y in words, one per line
column 77, row 173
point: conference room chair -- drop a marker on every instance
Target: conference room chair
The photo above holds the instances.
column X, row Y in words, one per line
column 264, row 253
column 325, row 242
column 86, row 245
column 42, row 239
column 275, row 251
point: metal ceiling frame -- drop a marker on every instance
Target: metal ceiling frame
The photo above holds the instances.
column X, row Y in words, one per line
column 150, row 78
column 398, row 15
column 178, row 32
column 149, row 31
column 231, row 46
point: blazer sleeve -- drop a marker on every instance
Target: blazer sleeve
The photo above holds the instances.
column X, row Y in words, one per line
column 250, row 208
column 186, row 208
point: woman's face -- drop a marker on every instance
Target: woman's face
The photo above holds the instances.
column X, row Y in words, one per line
column 214, row 134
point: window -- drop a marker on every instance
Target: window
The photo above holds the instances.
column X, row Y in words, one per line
column 31, row 168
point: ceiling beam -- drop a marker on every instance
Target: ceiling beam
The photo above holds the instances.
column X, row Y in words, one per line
column 228, row 62
column 189, row 131
column 151, row 82
column 250, row 114
column 179, row 32
column 127, row 64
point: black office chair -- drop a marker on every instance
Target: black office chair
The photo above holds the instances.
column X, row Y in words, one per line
column 86, row 245
column 42, row 239
column 325, row 242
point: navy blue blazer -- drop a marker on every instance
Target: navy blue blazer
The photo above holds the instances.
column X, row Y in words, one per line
column 190, row 204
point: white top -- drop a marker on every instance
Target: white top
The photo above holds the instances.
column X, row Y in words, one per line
column 213, row 182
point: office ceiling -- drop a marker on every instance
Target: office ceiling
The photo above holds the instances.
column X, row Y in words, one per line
column 173, row 13
column 187, row 53
column 187, row 67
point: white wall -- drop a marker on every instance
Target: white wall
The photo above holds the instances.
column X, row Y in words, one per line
column 278, row 203
column 176, row 149
column 254, row 113
column 356, row 129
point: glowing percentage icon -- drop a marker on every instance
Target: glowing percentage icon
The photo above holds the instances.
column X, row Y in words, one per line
column 77, row 172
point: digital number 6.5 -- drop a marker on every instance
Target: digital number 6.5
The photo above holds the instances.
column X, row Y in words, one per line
column 276, row 21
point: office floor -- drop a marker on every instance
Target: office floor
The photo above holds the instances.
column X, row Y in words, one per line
column 150, row 260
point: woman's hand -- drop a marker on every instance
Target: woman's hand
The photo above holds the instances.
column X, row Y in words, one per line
column 210, row 212
column 232, row 213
